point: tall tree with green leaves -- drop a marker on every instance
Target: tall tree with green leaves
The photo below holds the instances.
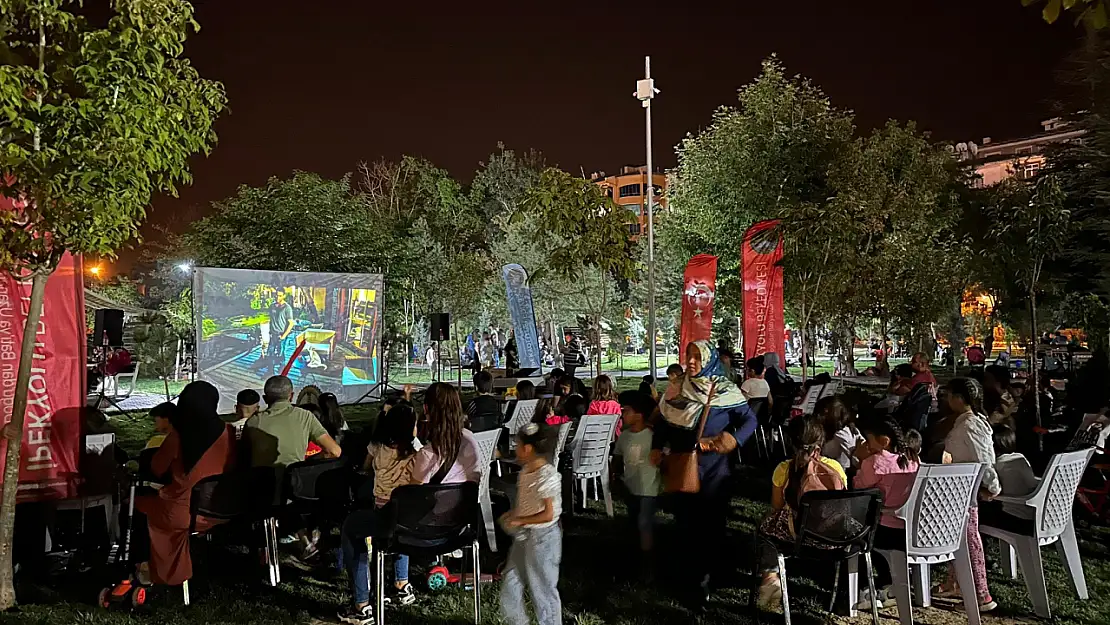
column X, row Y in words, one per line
column 1030, row 228
column 769, row 156
column 583, row 238
column 94, row 119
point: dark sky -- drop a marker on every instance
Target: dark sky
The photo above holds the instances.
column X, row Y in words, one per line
column 322, row 85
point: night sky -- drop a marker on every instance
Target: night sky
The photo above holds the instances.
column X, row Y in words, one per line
column 320, row 86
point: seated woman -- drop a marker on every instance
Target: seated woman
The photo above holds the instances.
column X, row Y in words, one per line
column 200, row 445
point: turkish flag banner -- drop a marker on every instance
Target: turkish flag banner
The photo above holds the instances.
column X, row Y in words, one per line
column 761, row 269
column 56, row 393
column 699, row 288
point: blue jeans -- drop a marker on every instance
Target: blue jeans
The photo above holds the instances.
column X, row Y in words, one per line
column 355, row 555
column 533, row 561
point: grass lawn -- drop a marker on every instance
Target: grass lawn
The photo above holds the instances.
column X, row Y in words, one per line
column 599, row 579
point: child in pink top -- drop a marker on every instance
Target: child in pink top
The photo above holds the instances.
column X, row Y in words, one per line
column 603, row 399
column 889, row 463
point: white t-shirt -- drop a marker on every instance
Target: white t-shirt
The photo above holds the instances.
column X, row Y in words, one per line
column 842, row 447
column 535, row 486
column 755, row 388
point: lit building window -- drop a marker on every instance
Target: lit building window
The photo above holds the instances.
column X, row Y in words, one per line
column 630, row 190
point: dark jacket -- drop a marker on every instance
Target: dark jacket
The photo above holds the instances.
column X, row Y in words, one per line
column 713, row 469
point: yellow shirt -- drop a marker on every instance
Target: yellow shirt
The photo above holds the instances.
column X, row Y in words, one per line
column 782, row 472
column 155, row 441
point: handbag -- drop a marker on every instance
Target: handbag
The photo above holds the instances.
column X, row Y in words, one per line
column 680, row 470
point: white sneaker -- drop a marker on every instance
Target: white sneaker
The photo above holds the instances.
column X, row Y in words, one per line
column 884, row 598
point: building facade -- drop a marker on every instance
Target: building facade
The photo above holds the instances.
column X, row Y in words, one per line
column 628, row 191
column 994, row 162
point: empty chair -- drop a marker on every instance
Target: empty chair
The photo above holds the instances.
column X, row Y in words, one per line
column 427, row 521
column 833, row 526
column 591, row 453
column 522, row 415
column 487, row 445
column 239, row 495
column 936, row 532
column 1052, row 523
column 318, row 487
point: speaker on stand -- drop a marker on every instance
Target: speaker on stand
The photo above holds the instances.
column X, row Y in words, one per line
column 440, row 331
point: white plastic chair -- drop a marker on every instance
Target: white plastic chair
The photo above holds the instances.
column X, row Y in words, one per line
column 487, row 446
column 591, row 453
column 522, row 415
column 936, row 531
column 1052, row 523
column 131, row 376
column 561, row 441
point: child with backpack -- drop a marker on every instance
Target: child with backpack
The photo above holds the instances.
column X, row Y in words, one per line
column 807, row 471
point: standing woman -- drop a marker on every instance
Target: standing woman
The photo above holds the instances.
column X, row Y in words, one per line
column 200, row 445
column 702, row 516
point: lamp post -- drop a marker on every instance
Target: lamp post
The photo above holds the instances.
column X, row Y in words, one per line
column 645, row 92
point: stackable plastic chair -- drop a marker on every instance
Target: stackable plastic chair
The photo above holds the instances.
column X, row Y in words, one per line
column 487, row 446
column 936, row 532
column 522, row 415
column 426, row 521
column 590, row 458
column 1052, row 523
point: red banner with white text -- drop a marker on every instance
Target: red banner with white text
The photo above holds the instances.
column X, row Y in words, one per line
column 761, row 267
column 56, row 393
column 699, row 288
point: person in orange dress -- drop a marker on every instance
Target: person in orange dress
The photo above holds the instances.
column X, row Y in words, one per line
column 200, row 445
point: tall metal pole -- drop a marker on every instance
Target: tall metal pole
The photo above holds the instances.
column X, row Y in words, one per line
column 645, row 92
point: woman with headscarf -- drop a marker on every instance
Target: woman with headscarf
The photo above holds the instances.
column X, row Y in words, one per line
column 200, row 445
column 702, row 516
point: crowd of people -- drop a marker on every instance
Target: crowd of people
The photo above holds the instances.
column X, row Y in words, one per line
column 689, row 432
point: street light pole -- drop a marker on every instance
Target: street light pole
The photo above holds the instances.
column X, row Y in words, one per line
column 645, row 92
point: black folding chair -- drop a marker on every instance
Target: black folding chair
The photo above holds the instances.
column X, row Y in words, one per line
column 834, row 525
column 239, row 495
column 427, row 521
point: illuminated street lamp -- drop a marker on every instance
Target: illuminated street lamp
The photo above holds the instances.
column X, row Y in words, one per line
column 95, row 271
column 185, row 267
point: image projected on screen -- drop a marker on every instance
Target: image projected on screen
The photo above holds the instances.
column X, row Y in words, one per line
column 252, row 324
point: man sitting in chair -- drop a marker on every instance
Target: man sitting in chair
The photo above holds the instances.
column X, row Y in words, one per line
column 279, row 435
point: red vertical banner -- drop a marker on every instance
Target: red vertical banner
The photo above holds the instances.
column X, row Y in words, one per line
column 699, row 289
column 56, row 393
column 761, row 267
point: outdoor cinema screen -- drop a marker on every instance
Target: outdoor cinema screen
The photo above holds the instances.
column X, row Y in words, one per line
column 251, row 323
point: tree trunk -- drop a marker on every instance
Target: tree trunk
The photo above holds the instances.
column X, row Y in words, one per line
column 1036, row 368
column 19, row 411
column 802, row 329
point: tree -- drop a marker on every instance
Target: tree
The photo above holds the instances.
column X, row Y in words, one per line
column 1031, row 227
column 767, row 157
column 302, row 223
column 156, row 344
column 583, row 239
column 95, row 120
column 1092, row 12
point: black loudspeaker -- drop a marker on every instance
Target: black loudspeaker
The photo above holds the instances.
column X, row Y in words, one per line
column 108, row 321
column 441, row 327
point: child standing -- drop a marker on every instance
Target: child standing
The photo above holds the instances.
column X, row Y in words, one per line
column 390, row 454
column 537, row 546
column 641, row 477
column 889, row 459
column 971, row 440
